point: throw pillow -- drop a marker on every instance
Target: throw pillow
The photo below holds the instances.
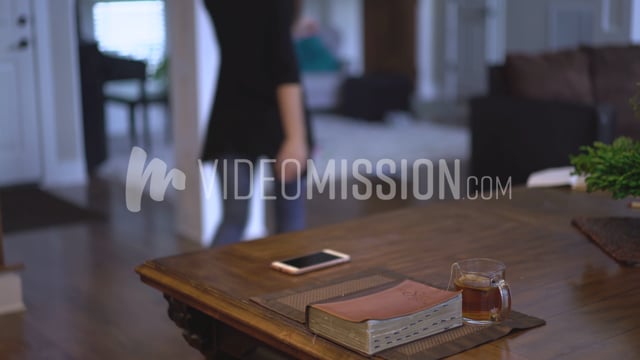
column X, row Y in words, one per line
column 562, row 76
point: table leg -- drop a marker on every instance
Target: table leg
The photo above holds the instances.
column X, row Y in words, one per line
column 197, row 327
column 132, row 124
column 214, row 339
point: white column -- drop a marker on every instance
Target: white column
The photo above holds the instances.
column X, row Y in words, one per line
column 496, row 32
column 635, row 21
column 186, row 112
column 10, row 292
column 195, row 61
column 346, row 16
column 426, row 51
column 58, row 96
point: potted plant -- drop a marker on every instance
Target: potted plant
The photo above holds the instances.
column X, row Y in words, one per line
column 612, row 167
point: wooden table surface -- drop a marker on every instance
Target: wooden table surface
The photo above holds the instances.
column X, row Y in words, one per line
column 591, row 304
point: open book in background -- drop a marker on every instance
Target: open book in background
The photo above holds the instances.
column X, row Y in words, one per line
column 553, row 177
column 376, row 320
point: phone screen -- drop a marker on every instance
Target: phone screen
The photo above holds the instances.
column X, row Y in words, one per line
column 310, row 260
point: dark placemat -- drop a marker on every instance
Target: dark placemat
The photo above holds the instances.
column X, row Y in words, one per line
column 460, row 339
column 292, row 303
column 619, row 237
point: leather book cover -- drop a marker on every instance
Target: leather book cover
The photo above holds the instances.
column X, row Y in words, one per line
column 405, row 298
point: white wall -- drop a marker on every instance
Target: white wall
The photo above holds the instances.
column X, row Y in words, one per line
column 529, row 23
column 316, row 9
column 58, row 97
column 346, row 16
column 635, row 22
column 526, row 25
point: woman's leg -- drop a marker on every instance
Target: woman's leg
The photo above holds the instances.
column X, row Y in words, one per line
column 236, row 179
column 290, row 205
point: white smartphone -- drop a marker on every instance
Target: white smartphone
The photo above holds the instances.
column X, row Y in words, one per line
column 310, row 262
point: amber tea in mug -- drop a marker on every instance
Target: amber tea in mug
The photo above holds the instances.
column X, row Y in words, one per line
column 486, row 297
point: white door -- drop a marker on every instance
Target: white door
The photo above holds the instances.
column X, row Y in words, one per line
column 474, row 38
column 19, row 132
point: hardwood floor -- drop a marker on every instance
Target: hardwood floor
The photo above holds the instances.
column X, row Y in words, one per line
column 83, row 299
column 82, row 296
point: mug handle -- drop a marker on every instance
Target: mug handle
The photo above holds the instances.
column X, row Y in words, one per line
column 505, row 296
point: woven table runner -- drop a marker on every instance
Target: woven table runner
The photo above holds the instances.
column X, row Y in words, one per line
column 619, row 237
column 292, row 303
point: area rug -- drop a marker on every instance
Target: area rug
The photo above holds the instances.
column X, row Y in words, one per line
column 29, row 208
column 345, row 140
column 619, row 237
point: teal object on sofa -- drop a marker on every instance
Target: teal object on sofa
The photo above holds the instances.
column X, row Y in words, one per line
column 314, row 56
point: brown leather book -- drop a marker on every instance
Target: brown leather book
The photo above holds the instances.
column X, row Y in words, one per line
column 376, row 320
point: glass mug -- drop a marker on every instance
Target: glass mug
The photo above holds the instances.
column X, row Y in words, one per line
column 486, row 297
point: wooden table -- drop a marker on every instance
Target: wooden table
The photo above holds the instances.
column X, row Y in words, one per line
column 590, row 302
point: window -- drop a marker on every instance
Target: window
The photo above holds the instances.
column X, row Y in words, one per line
column 133, row 29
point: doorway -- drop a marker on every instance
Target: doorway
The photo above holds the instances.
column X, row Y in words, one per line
column 129, row 39
column 390, row 37
column 474, row 38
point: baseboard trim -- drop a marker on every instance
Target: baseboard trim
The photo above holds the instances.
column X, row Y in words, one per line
column 13, row 308
column 11, row 292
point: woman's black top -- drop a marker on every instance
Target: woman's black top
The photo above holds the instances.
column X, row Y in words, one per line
column 257, row 55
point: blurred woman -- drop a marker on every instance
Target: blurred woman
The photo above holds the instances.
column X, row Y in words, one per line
column 258, row 111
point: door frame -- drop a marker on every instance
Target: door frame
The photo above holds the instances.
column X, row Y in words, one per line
column 58, row 93
column 21, row 157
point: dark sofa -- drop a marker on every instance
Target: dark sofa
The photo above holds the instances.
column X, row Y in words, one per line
column 541, row 108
